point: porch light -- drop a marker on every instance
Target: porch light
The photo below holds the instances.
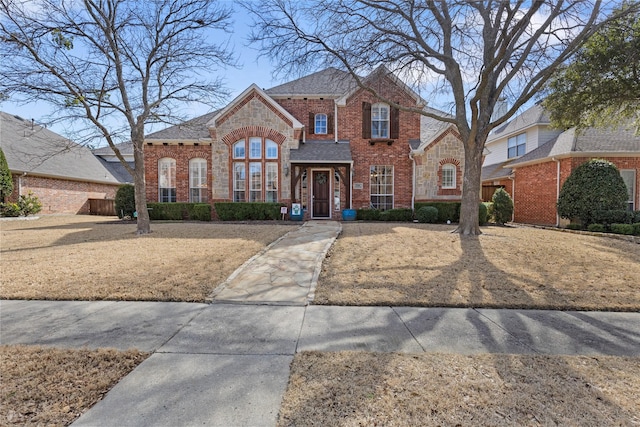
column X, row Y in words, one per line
column 286, row 169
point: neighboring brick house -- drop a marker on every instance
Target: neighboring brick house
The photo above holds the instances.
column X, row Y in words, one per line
column 61, row 173
column 532, row 161
column 319, row 140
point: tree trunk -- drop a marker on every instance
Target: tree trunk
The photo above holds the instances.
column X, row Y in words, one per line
column 139, row 182
column 469, row 210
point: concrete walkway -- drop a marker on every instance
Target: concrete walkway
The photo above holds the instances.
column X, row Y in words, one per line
column 227, row 363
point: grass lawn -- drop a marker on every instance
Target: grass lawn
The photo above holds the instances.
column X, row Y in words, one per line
column 91, row 258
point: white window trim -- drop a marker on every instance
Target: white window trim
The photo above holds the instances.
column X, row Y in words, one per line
column 517, row 143
column 632, row 202
column 451, row 167
column 171, row 185
column 196, row 164
column 372, row 194
column 387, row 122
column 325, row 125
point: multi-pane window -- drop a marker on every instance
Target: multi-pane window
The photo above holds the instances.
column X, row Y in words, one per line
column 448, row 176
column 255, row 177
column 197, row 180
column 517, row 145
column 320, row 126
column 166, row 180
column 629, row 178
column 379, row 121
column 381, row 187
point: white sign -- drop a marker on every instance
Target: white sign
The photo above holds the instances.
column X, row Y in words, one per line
column 358, row 186
column 283, row 209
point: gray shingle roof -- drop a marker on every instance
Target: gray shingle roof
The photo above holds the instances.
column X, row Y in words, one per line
column 430, row 127
column 496, row 171
column 189, row 130
column 535, row 115
column 118, row 170
column 126, row 148
column 36, row 150
column 322, row 152
column 591, row 141
column 329, row 82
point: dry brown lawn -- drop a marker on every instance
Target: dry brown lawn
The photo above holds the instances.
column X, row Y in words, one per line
column 45, row 386
column 367, row 389
column 508, row 267
column 95, row 258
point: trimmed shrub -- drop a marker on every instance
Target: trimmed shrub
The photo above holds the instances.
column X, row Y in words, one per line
column 399, row 215
column 483, row 213
column 179, row 211
column 368, row 214
column 502, row 206
column 427, row 214
column 28, row 204
column 125, row 201
column 593, row 186
column 636, row 216
column 619, row 216
column 574, row 226
column 447, row 211
column 244, row 211
column 622, row 229
column 597, row 228
column 636, row 228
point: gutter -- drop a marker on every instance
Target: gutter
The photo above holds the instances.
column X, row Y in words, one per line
column 413, row 180
column 335, row 122
column 513, row 196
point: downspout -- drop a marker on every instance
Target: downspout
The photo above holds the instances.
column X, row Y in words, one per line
column 513, row 196
column 351, row 187
column 335, row 122
column 557, row 189
column 413, row 180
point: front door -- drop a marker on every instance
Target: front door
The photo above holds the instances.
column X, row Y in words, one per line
column 320, row 204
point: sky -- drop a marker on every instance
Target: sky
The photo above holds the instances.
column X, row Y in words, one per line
column 251, row 70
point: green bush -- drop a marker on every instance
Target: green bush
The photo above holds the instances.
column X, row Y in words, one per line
column 622, row 229
column 28, row 204
column 483, row 213
column 636, row 228
column 502, row 206
column 427, row 214
column 574, row 226
column 257, row 211
column 597, row 228
column 368, row 214
column 593, row 186
column 447, row 211
column 399, row 215
column 6, row 181
column 607, row 217
column 125, row 201
column 636, row 216
column 180, row 211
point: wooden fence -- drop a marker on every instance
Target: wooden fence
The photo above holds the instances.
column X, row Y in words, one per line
column 105, row 207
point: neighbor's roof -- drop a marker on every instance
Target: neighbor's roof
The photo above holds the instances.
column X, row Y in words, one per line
column 125, row 148
column 496, row 171
column 591, row 141
column 118, row 170
column 189, row 130
column 37, row 150
column 535, row 115
column 322, row 152
column 330, row 83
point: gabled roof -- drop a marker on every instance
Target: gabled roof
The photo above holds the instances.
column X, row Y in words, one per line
column 118, row 170
column 328, row 83
column 383, row 71
column 261, row 93
column 33, row 149
column 589, row 142
column 193, row 129
column 533, row 116
column 322, row 152
column 496, row 171
column 125, row 148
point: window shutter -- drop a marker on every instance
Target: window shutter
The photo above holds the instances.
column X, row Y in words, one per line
column 394, row 132
column 366, row 120
column 312, row 123
column 329, row 123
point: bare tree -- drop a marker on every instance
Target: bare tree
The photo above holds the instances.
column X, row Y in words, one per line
column 473, row 52
column 114, row 65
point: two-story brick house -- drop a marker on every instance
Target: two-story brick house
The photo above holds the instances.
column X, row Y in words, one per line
column 321, row 141
column 531, row 161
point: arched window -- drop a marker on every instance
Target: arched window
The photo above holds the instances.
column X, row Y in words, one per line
column 379, row 121
column 448, row 175
column 197, row 180
column 261, row 184
column 166, row 180
column 320, row 126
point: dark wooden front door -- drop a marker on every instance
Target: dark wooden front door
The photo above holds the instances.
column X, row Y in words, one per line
column 320, row 194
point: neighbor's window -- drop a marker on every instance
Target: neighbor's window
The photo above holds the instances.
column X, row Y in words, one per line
column 448, row 176
column 379, row 121
column 261, row 182
column 197, row 180
column 166, row 180
column 320, row 126
column 629, row 177
column 381, row 187
column 517, row 145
